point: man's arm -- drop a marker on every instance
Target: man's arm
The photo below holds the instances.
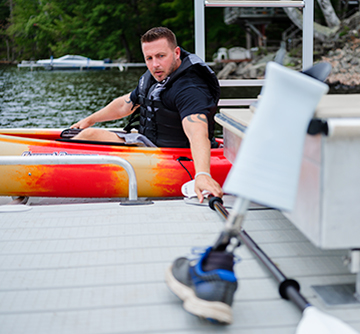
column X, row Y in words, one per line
column 118, row 108
column 196, row 129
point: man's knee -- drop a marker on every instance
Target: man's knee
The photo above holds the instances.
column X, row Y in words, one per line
column 88, row 134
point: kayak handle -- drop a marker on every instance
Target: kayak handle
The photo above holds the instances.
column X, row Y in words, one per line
column 77, row 160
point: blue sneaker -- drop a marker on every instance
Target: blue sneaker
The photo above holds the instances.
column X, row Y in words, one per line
column 206, row 294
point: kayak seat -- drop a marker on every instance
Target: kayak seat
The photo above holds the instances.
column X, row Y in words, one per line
column 67, row 135
column 93, row 142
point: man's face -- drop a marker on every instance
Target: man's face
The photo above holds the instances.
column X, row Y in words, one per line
column 160, row 58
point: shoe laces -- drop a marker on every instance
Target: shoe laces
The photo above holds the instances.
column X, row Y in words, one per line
column 198, row 251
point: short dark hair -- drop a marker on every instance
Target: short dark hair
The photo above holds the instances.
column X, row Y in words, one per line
column 159, row 32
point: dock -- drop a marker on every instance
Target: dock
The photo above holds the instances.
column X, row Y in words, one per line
column 68, row 266
column 74, row 266
column 96, row 266
column 121, row 66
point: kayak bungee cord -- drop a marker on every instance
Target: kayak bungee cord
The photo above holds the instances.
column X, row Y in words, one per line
column 179, row 159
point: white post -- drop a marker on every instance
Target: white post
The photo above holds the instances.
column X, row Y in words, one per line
column 308, row 34
column 199, row 17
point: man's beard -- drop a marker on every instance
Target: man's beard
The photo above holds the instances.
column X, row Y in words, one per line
column 171, row 70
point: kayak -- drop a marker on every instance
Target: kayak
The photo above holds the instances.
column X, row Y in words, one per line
column 160, row 172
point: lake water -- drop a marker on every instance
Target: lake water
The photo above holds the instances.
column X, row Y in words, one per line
column 57, row 99
column 52, row 99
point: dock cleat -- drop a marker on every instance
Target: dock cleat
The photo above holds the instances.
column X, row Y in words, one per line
column 205, row 285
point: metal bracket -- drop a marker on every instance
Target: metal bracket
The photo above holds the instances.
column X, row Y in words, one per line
column 353, row 263
column 343, row 294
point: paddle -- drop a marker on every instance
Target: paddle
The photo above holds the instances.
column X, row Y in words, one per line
column 266, row 171
column 313, row 320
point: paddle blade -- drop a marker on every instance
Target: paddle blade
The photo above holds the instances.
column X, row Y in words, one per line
column 267, row 167
column 315, row 322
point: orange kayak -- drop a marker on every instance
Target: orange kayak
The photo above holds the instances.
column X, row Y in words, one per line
column 160, row 172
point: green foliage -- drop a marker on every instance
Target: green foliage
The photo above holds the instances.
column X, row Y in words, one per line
column 344, row 31
column 296, row 52
column 105, row 28
column 4, row 21
column 261, row 52
column 218, row 34
column 4, row 13
column 181, row 21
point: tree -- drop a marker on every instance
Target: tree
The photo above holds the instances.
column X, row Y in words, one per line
column 181, row 21
column 5, row 12
column 32, row 26
column 321, row 32
column 218, row 34
column 95, row 28
column 104, row 28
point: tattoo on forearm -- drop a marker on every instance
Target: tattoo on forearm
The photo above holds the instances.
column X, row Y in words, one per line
column 196, row 118
column 128, row 101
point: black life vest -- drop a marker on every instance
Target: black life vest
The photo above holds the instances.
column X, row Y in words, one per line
column 161, row 125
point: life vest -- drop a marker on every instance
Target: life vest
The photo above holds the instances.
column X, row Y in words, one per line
column 161, row 125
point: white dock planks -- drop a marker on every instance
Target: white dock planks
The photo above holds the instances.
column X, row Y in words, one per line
column 99, row 268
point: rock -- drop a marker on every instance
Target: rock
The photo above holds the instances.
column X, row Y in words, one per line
column 242, row 69
column 227, row 70
column 238, row 53
column 254, row 69
column 221, row 54
column 345, row 62
column 257, row 71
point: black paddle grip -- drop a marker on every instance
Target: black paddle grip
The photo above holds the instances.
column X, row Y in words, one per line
column 284, row 285
column 213, row 200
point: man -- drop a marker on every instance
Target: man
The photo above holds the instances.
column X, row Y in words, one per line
column 177, row 99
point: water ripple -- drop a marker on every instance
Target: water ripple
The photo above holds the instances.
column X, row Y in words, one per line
column 59, row 98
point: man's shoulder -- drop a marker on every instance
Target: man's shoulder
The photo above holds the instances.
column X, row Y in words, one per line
column 189, row 86
column 191, row 78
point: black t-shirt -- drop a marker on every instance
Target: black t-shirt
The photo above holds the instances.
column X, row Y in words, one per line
column 188, row 95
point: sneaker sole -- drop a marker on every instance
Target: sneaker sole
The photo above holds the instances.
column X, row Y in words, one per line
column 213, row 311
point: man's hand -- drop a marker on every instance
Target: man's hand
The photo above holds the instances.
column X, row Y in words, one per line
column 82, row 124
column 205, row 182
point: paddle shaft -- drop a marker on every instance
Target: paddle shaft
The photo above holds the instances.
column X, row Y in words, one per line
column 288, row 288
